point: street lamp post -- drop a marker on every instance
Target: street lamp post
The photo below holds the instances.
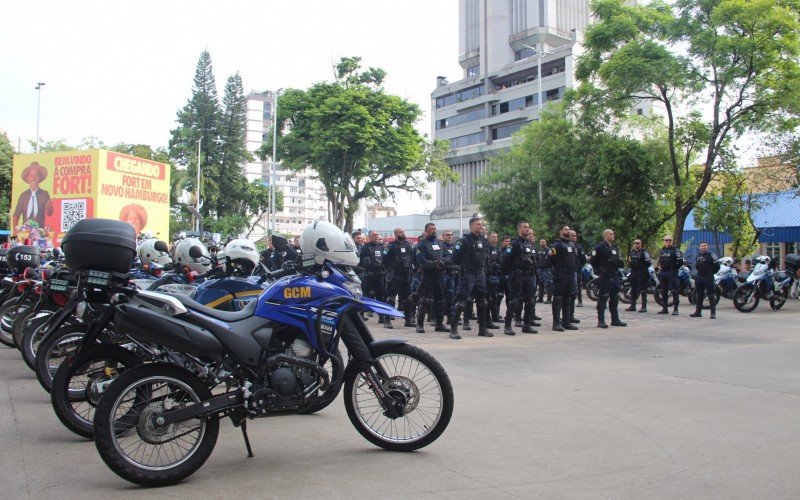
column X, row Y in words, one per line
column 197, row 189
column 539, row 54
column 274, row 154
column 38, row 87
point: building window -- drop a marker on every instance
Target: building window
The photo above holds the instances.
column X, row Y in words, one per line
column 469, row 116
column 473, row 71
column 462, row 96
column 471, row 15
column 507, row 130
column 640, row 112
column 773, row 250
column 523, row 54
column 466, row 140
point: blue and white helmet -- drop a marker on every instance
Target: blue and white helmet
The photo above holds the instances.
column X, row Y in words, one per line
column 328, row 242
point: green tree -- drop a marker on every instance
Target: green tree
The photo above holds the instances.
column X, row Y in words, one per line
column 593, row 177
column 231, row 181
column 359, row 140
column 736, row 60
column 6, row 165
column 200, row 120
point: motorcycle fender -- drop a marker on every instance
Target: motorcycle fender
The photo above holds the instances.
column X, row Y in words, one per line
column 171, row 332
column 378, row 307
column 377, row 347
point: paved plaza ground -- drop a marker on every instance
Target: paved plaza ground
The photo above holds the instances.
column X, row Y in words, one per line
column 669, row 407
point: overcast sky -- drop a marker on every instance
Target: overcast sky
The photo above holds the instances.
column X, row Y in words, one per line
column 120, row 71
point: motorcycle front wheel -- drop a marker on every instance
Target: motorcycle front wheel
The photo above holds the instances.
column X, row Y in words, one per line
column 418, row 381
column 745, row 299
column 133, row 443
column 54, row 350
column 77, row 388
column 625, row 294
column 7, row 314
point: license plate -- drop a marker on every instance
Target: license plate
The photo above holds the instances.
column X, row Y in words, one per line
column 59, row 285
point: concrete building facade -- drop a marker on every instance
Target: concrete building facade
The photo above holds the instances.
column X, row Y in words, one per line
column 503, row 45
column 304, row 199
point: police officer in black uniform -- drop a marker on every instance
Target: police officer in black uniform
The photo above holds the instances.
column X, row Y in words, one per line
column 639, row 263
column 607, row 262
column 398, row 261
column 432, row 260
column 544, row 273
column 450, row 276
column 670, row 259
column 563, row 259
column 519, row 263
column 371, row 261
column 493, row 279
column 576, row 287
column 706, row 265
column 471, row 254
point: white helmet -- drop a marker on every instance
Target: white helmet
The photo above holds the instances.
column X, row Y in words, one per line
column 762, row 259
column 328, row 242
column 243, row 253
column 148, row 253
column 726, row 261
column 182, row 256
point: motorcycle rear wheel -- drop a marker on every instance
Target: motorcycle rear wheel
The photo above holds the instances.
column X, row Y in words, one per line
column 24, row 313
column 419, row 381
column 132, row 442
column 625, row 294
column 77, row 388
column 54, row 350
column 745, row 299
column 35, row 328
column 592, row 289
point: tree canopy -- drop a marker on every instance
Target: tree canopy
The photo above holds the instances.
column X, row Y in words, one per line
column 719, row 69
column 359, row 140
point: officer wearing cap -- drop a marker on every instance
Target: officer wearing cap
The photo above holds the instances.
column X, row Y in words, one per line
column 563, row 258
column 371, row 260
column 607, row 261
column 639, row 263
column 471, row 254
column 398, row 260
column 706, row 265
column 670, row 260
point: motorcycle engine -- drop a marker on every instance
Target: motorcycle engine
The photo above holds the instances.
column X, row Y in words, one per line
column 289, row 380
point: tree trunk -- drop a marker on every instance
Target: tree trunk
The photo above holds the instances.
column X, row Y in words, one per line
column 680, row 220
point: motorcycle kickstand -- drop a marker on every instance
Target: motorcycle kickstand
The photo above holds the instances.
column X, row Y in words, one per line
column 243, row 425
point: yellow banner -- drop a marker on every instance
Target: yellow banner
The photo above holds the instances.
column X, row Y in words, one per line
column 52, row 191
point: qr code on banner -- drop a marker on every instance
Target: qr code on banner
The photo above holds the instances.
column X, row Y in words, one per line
column 71, row 212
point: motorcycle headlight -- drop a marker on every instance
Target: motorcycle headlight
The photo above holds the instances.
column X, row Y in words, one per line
column 354, row 288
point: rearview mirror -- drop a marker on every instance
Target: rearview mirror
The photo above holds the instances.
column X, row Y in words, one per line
column 161, row 246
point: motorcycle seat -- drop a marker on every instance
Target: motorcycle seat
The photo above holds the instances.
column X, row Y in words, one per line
column 226, row 316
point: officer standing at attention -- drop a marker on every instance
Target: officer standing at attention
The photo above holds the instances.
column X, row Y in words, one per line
column 576, row 288
column 563, row 259
column 707, row 265
column 519, row 263
column 450, row 276
column 493, row 277
column 670, row 259
column 371, row 261
column 399, row 263
column 639, row 263
column 545, row 273
column 471, row 254
column 607, row 261
column 432, row 259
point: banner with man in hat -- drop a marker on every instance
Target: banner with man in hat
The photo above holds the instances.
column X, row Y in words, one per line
column 53, row 191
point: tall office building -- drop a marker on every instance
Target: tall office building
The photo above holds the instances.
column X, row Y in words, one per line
column 304, row 199
column 503, row 45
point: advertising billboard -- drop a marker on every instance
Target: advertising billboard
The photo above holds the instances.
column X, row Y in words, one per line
column 53, row 191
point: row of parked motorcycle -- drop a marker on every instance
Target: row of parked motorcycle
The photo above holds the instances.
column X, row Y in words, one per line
column 145, row 351
column 745, row 289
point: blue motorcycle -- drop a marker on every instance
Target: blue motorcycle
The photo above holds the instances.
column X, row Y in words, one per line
column 158, row 423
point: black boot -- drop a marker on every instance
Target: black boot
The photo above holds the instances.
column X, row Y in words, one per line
column 511, row 307
column 613, row 304
column 408, row 312
column 644, row 303
column 713, row 312
column 459, row 307
column 632, row 307
column 387, row 323
column 565, row 315
column 496, row 307
column 527, row 315
column 440, row 309
column 675, row 296
column 556, row 305
column 697, row 312
column 423, row 305
column 602, row 301
column 572, row 318
column 580, row 296
column 665, row 301
column 483, row 330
